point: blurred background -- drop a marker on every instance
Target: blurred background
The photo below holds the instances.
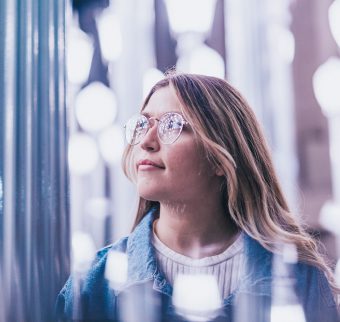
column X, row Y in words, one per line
column 72, row 73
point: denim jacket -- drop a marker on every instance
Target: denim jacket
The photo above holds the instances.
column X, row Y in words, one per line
column 147, row 292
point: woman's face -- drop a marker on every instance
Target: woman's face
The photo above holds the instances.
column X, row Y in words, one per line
column 183, row 173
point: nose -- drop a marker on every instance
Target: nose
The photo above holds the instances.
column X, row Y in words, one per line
column 150, row 142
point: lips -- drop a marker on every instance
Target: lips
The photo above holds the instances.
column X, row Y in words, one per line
column 148, row 164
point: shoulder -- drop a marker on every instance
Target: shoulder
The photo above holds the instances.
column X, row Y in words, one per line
column 313, row 282
column 315, row 293
column 96, row 272
column 99, row 261
column 101, row 255
column 94, row 283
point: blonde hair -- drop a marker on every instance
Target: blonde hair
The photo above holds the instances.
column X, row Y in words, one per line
column 227, row 128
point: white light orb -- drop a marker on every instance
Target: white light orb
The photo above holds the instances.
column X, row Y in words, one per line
column 330, row 217
column 202, row 60
column 79, row 55
column 110, row 35
column 98, row 207
column 290, row 253
column 83, row 154
column 284, row 313
column 83, row 252
column 150, row 78
column 116, row 269
column 334, row 20
column 283, row 42
column 96, row 107
column 111, row 144
column 326, row 82
column 191, row 15
column 196, row 296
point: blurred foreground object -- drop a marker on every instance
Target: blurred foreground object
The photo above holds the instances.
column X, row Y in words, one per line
column 34, row 229
column 196, row 297
column 285, row 303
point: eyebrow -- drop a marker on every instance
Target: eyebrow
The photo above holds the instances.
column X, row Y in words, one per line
column 149, row 115
column 146, row 114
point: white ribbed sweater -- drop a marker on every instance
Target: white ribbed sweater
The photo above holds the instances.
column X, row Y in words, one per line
column 227, row 267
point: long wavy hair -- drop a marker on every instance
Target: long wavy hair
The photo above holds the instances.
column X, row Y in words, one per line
column 232, row 138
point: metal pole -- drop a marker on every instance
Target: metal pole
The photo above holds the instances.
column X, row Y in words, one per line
column 34, row 223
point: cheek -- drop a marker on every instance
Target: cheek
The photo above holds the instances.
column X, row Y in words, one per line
column 187, row 163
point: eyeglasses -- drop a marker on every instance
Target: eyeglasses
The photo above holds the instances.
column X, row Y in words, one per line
column 170, row 126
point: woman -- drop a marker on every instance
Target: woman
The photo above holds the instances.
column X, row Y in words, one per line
column 210, row 203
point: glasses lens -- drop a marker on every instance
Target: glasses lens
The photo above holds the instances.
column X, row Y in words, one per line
column 136, row 128
column 170, row 127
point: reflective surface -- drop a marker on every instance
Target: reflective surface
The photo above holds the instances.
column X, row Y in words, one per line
column 33, row 175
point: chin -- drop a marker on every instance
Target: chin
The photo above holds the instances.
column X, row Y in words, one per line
column 150, row 194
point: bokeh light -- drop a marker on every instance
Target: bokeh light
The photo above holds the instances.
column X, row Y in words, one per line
column 83, row 252
column 83, row 154
column 150, row 78
column 110, row 35
column 79, row 56
column 284, row 313
column 96, row 107
column 116, row 268
column 200, row 20
column 334, row 20
column 326, row 82
column 330, row 217
column 283, row 42
column 196, row 296
column 98, row 207
column 111, row 144
column 202, row 60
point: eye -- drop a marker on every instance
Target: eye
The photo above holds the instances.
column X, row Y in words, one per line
column 142, row 124
column 172, row 122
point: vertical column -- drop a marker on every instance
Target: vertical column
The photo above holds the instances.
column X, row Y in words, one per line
column 262, row 70
column 2, row 66
column 33, row 175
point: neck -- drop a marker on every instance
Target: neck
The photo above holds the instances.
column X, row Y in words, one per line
column 195, row 230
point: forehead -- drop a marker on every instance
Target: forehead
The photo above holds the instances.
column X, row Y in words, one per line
column 162, row 101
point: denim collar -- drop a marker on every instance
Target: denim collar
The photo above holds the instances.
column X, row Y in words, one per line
column 143, row 264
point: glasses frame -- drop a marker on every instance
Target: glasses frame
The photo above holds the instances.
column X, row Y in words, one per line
column 149, row 125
